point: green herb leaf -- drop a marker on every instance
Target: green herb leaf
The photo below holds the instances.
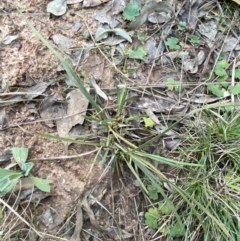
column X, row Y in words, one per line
column 172, row 43
column 222, row 81
column 26, row 168
column 148, row 122
column 216, row 90
column 182, row 25
column 152, row 193
column 131, row 11
column 166, row 207
column 235, row 90
column 141, row 36
column 237, row 73
column 41, row 184
column 172, row 84
column 138, row 53
column 9, row 173
column 194, row 39
column 177, row 230
column 121, row 97
column 151, row 218
column 20, row 154
column 220, row 68
column 103, row 33
column 6, row 185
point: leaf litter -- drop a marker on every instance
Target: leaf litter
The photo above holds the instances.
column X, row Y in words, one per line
column 64, row 113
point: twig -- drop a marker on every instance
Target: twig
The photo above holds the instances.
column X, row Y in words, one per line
column 63, row 157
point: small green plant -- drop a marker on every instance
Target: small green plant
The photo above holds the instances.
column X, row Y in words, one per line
column 220, row 71
column 173, row 43
column 216, row 89
column 174, row 230
column 138, row 53
column 9, row 178
column 152, row 193
column 148, row 122
column 131, row 11
column 221, row 87
column 194, row 39
column 172, row 84
column 182, row 25
column 141, row 36
column 151, row 218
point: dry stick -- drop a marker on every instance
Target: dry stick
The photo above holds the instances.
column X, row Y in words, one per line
column 63, row 157
column 20, row 93
column 138, row 219
column 78, row 225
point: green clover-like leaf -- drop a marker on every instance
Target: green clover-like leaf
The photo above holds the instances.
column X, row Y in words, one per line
column 177, row 230
column 152, row 193
column 172, row 43
column 182, row 25
column 148, row 122
column 141, row 36
column 194, row 39
column 131, row 11
column 220, row 68
column 235, row 90
column 237, row 73
column 216, row 90
column 138, row 53
column 166, row 207
column 151, row 218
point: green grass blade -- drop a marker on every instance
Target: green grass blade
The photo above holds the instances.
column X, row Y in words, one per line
column 71, row 140
column 167, row 161
column 121, row 98
column 70, row 72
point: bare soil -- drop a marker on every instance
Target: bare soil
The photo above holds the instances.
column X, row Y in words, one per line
column 26, row 62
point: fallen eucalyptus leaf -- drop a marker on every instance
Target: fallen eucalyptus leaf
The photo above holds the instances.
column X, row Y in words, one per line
column 230, row 44
column 57, row 7
column 237, row 1
column 62, row 41
column 105, row 15
column 98, row 90
column 159, row 17
column 76, row 109
column 51, row 108
column 73, row 1
column 102, row 33
column 93, row 3
column 9, row 39
column 208, row 29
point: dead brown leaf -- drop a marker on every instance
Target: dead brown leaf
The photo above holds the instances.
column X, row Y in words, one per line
column 237, row 1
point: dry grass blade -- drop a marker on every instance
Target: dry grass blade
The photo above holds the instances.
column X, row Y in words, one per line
column 21, row 218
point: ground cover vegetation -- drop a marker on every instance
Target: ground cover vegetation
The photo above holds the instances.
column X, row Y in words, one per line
column 166, row 127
